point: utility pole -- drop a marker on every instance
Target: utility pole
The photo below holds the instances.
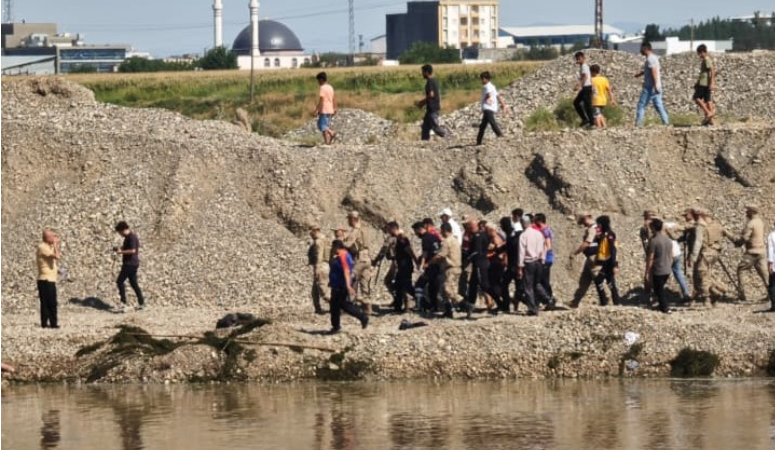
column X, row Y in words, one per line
column 352, row 27
column 598, row 24
column 7, row 11
column 691, row 46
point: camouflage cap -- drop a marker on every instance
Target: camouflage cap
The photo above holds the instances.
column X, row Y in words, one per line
column 753, row 208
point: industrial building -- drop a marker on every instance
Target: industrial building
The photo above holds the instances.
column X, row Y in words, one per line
column 673, row 45
column 38, row 49
column 264, row 44
column 457, row 24
column 556, row 36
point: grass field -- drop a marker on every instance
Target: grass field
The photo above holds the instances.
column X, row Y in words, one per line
column 285, row 100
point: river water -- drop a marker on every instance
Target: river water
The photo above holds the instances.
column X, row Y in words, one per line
column 576, row 415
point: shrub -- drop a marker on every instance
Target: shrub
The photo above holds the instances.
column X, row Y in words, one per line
column 614, row 116
column 218, row 58
column 427, row 53
column 694, row 363
column 541, row 120
column 566, row 114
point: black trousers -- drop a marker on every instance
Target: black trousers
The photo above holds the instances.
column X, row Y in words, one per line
column 534, row 290
column 402, row 286
column 772, row 291
column 606, row 276
column 431, row 122
column 546, row 279
column 129, row 273
column 658, row 283
column 496, row 276
column 47, row 291
column 488, row 119
column 519, row 293
column 583, row 105
column 340, row 302
column 479, row 279
column 430, row 286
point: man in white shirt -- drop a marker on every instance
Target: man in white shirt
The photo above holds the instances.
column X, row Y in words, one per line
column 446, row 217
column 532, row 254
column 489, row 103
column 583, row 101
column 771, row 265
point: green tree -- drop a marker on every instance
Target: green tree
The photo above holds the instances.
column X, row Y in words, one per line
column 428, row 53
column 652, row 33
column 218, row 58
column 136, row 64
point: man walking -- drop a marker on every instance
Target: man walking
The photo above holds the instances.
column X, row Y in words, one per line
column 427, row 286
column 652, row 87
column 532, row 255
column 318, row 261
column 432, row 104
column 48, row 256
column 388, row 251
column 754, row 258
column 583, row 101
column 588, row 248
column 705, row 256
column 771, row 263
column 340, row 281
column 489, row 105
column 130, row 263
column 326, row 108
column 659, row 263
column 446, row 217
column 356, row 244
column 449, row 258
column 706, row 85
column 405, row 258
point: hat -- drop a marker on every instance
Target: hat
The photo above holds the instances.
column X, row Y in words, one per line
column 700, row 211
column 339, row 229
column 753, row 208
column 445, row 212
column 353, row 215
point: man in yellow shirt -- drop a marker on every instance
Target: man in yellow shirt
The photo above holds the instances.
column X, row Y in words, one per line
column 47, row 257
column 601, row 93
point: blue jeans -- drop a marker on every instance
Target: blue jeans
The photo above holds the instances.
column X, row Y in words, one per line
column 646, row 96
column 678, row 273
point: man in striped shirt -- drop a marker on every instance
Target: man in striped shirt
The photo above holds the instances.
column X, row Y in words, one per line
column 532, row 254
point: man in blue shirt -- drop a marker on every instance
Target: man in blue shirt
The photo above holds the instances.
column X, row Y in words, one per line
column 652, row 87
column 340, row 281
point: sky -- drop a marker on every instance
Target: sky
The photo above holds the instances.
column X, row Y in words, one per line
column 170, row 27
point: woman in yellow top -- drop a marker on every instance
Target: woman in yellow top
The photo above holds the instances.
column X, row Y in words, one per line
column 601, row 92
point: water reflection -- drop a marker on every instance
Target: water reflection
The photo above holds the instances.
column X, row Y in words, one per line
column 528, row 415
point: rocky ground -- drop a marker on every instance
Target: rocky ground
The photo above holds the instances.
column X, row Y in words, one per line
column 223, row 215
column 745, row 86
column 352, row 126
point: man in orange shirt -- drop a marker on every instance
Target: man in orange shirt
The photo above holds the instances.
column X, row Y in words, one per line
column 601, row 93
column 326, row 108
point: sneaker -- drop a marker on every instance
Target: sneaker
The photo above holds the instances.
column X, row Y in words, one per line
column 139, row 307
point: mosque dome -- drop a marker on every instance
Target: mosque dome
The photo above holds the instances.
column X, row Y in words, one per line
column 272, row 37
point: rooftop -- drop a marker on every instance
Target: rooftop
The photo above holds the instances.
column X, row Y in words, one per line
column 557, row 30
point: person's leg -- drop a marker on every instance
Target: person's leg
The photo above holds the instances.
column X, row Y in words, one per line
column 640, row 115
column 337, row 298
column 588, row 108
column 578, row 103
column 600, row 280
column 482, row 129
column 611, row 279
column 43, row 305
column 772, row 291
column 434, row 287
column 546, row 279
column 52, row 305
column 531, row 277
column 122, row 276
column 427, row 125
column 494, row 124
column 745, row 265
column 678, row 273
column 660, row 107
column 362, row 272
column 585, row 280
column 506, row 298
column 353, row 310
column 437, row 128
column 135, row 286
column 659, row 290
column 495, row 282
column 761, row 268
column 316, row 294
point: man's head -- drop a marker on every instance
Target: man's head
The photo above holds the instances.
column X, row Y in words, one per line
column 485, row 77
column 428, row 222
column 446, row 230
column 516, row 215
column 751, row 210
column 645, row 48
column 322, row 78
column 702, row 50
column 584, row 220
column 506, row 225
column 419, row 229
column 657, row 225
column 314, row 232
column 353, row 218
column 339, row 232
column 472, row 226
column 540, row 219
column 427, row 71
column 446, row 215
column 337, row 245
column 392, row 228
column 527, row 220
column 594, row 70
column 49, row 236
column 122, row 228
column 580, row 58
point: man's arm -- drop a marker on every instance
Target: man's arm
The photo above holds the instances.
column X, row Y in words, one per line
column 611, row 95
column 336, row 105
column 649, row 266
column 698, row 239
column 582, row 248
column 712, row 77
column 655, row 76
column 319, row 107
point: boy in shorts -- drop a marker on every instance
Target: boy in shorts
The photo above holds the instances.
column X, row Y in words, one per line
column 326, row 108
column 706, row 84
column 601, row 93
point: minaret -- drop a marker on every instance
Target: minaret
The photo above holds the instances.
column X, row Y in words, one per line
column 254, row 52
column 218, row 18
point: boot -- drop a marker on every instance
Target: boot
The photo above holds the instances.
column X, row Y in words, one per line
column 448, row 310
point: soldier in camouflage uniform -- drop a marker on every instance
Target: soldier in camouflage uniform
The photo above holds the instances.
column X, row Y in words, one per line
column 318, row 260
column 388, row 251
column 705, row 256
column 752, row 239
column 356, row 244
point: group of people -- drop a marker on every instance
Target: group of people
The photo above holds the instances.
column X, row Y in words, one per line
column 595, row 92
column 510, row 263
column 49, row 255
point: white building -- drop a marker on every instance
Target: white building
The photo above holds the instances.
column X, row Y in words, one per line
column 556, row 36
column 379, row 45
column 673, row 45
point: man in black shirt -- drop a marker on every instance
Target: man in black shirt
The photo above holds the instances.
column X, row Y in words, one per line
column 476, row 255
column 130, row 262
column 512, row 257
column 404, row 259
column 430, row 280
column 432, row 104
